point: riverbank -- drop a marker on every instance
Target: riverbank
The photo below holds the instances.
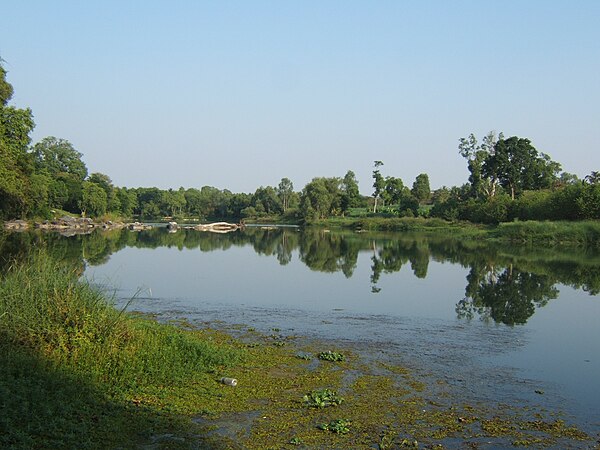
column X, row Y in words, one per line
column 582, row 233
column 79, row 373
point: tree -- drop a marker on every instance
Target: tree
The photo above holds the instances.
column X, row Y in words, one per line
column 476, row 154
column 320, row 198
column 393, row 190
column 350, row 192
column 6, row 89
column 593, row 178
column 378, row 183
column 128, row 200
column 15, row 162
column 266, row 199
column 172, row 202
column 59, row 156
column 284, row 191
column 93, row 201
column 420, row 189
column 518, row 166
column 104, row 181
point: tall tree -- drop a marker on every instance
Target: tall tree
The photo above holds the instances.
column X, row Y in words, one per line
column 476, row 154
column 15, row 162
column 59, row 156
column 421, row 189
column 350, row 192
column 518, row 166
column 393, row 191
column 93, row 201
column 284, row 192
column 320, row 198
column 378, row 183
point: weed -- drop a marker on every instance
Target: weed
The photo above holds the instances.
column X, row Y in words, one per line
column 339, row 426
column 331, row 356
column 322, row 398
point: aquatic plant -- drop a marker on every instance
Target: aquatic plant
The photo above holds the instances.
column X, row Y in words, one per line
column 322, row 398
column 331, row 356
column 339, row 426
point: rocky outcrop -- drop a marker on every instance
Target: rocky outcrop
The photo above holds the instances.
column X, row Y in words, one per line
column 217, row 227
column 69, row 226
column 138, row 226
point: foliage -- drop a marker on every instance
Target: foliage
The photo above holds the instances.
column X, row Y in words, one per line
column 16, row 164
column 321, row 398
column 321, row 198
column 339, row 426
column 420, row 188
column 350, row 194
column 378, row 183
column 284, row 192
column 93, row 201
column 518, row 166
column 59, row 156
column 331, row 356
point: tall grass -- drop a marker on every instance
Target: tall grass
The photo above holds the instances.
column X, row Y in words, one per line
column 65, row 347
column 584, row 233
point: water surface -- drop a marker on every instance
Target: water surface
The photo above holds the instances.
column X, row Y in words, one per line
column 501, row 324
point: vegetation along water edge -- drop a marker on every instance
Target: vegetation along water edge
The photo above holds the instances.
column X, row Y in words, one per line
column 78, row 373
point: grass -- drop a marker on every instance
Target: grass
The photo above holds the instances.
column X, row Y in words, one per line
column 77, row 373
column 581, row 233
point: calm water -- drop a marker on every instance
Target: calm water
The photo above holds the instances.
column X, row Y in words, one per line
column 496, row 323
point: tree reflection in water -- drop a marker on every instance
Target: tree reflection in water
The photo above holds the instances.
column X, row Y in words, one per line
column 505, row 283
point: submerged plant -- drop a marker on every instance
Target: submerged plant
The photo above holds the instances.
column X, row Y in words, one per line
column 322, row 398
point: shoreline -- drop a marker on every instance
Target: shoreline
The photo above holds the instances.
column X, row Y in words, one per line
column 155, row 381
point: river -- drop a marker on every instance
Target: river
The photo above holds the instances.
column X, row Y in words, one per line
column 515, row 325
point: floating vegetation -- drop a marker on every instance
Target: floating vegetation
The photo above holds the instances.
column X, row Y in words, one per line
column 332, row 356
column 322, row 398
column 339, row 426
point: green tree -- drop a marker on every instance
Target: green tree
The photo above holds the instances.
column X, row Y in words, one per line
column 173, row 202
column 350, row 193
column 284, row 192
column 378, row 183
column 476, row 154
column 15, row 162
column 127, row 200
column 93, row 201
column 104, row 181
column 59, row 156
column 519, row 166
column 393, row 191
column 266, row 200
column 321, row 198
column 6, row 89
column 420, row 188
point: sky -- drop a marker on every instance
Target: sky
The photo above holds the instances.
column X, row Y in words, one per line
column 239, row 94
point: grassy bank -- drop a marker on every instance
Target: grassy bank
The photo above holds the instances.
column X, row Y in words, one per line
column 77, row 373
column 583, row 233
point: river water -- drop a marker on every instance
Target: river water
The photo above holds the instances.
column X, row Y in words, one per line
column 499, row 324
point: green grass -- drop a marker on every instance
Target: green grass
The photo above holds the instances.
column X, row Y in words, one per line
column 77, row 373
column 584, row 233
column 581, row 233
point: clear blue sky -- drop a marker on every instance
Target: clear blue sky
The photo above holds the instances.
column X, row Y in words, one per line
column 238, row 94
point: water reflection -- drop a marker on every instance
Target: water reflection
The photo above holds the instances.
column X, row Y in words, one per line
column 505, row 284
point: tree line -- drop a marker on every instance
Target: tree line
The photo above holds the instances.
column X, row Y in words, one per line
column 509, row 179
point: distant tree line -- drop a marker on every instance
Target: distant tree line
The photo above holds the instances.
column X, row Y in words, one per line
column 509, row 179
